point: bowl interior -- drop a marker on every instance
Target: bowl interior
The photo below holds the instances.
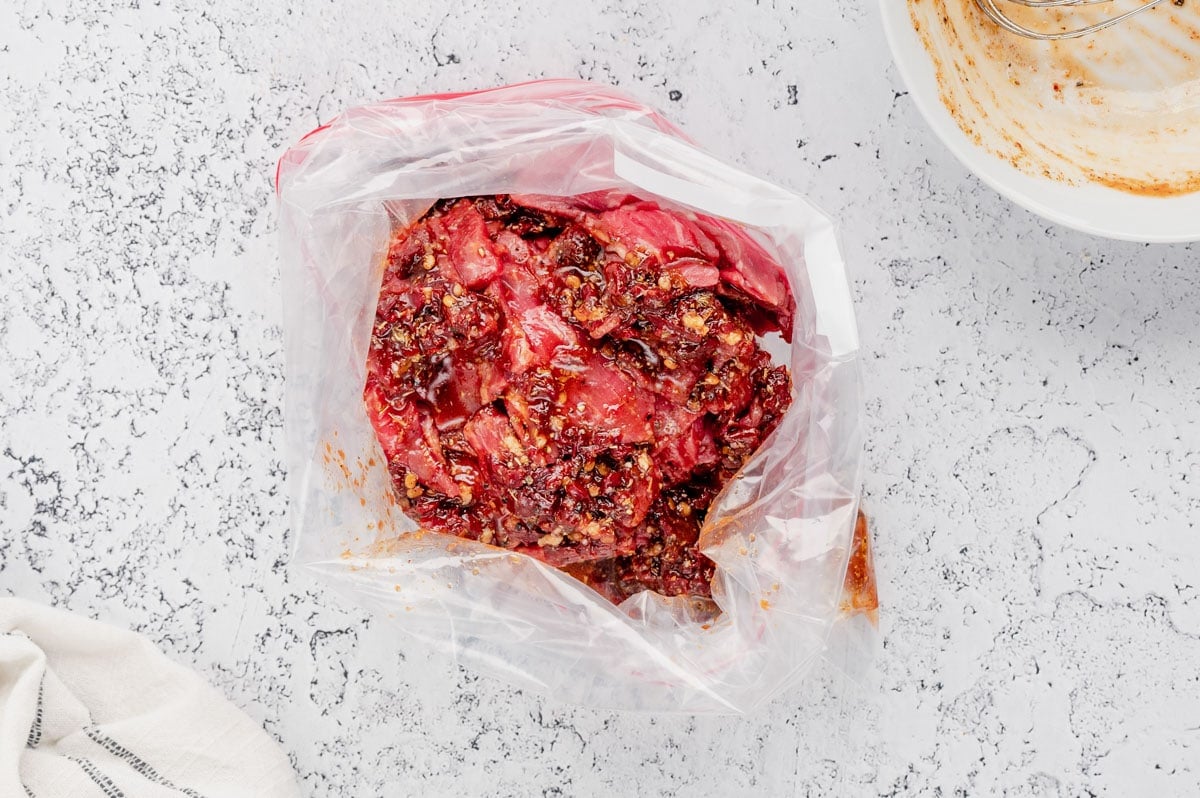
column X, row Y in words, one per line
column 1088, row 207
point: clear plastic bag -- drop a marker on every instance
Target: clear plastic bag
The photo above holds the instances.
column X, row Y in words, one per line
column 780, row 535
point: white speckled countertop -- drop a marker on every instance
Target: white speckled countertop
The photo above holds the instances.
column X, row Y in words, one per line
column 1033, row 402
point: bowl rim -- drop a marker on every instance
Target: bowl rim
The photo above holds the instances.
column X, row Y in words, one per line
column 1123, row 216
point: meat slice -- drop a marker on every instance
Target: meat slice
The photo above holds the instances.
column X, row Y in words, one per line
column 692, row 273
column 645, row 229
column 538, row 336
column 463, row 385
column 685, row 442
column 575, row 379
column 749, row 274
column 603, row 400
column 576, row 207
column 410, row 442
column 465, row 237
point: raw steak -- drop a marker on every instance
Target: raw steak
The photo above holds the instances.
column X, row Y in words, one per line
column 576, row 378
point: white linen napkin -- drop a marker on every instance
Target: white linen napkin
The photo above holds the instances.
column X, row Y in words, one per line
column 90, row 710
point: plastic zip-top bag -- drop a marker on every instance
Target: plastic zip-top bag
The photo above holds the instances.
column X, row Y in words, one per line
column 781, row 534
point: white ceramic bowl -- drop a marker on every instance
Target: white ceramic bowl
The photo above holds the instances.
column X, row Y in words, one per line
column 1091, row 208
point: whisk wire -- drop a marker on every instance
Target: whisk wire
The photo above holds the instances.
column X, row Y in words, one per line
column 992, row 9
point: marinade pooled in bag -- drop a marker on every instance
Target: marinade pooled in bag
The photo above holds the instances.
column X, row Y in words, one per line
column 576, row 378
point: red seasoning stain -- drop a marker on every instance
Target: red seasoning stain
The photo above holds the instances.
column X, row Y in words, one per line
column 860, row 594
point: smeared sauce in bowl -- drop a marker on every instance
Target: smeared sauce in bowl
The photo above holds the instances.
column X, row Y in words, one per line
column 1120, row 108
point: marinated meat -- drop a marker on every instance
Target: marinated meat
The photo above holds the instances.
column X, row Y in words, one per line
column 576, row 378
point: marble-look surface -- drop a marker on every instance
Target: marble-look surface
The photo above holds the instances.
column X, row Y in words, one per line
column 1033, row 405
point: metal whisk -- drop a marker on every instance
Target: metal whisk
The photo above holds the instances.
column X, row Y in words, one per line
column 993, row 9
